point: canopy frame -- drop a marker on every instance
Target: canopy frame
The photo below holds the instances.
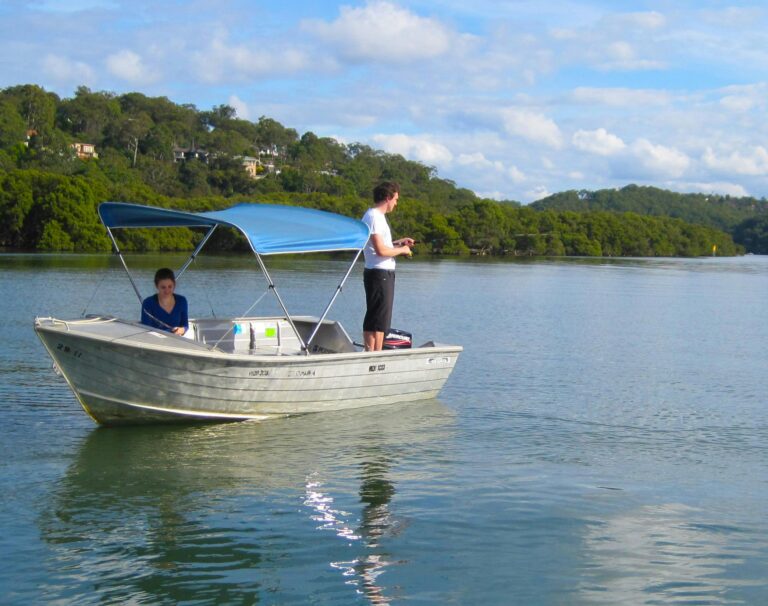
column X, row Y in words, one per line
column 190, row 220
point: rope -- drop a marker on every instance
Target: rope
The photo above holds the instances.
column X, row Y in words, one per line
column 95, row 290
column 158, row 320
column 231, row 328
column 210, row 304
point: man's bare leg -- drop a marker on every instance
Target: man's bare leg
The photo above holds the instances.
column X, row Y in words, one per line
column 373, row 341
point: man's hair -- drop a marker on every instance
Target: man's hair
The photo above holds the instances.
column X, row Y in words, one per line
column 384, row 191
column 164, row 273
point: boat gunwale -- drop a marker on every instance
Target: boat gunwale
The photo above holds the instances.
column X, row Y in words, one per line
column 209, row 352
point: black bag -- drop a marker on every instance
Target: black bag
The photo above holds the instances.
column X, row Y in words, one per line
column 397, row 339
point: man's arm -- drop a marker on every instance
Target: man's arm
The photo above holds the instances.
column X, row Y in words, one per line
column 390, row 251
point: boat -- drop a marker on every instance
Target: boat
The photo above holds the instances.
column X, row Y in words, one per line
column 238, row 368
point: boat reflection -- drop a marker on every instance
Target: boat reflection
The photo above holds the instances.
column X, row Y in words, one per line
column 168, row 514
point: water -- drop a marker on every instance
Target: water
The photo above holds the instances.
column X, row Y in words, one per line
column 601, row 441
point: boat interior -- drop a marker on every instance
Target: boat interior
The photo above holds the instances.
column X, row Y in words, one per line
column 260, row 335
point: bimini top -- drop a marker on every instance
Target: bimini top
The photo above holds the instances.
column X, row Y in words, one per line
column 270, row 228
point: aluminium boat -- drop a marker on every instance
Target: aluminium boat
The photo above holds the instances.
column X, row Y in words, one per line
column 231, row 369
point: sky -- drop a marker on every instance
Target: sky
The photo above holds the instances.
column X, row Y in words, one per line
column 512, row 99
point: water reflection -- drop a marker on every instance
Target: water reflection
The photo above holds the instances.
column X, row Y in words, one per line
column 376, row 491
column 376, row 522
column 170, row 514
column 660, row 554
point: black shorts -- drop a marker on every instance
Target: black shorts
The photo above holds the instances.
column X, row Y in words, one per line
column 379, row 297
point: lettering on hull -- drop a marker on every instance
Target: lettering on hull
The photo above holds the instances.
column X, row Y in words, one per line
column 310, row 372
column 75, row 353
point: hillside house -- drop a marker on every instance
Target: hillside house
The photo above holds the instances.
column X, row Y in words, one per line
column 182, row 154
column 251, row 165
column 85, row 151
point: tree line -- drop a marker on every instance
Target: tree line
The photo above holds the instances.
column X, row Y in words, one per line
column 745, row 218
column 49, row 195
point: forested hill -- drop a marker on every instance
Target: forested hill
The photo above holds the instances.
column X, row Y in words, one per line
column 746, row 219
column 61, row 157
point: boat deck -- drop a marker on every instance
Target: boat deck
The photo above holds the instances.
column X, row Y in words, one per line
column 256, row 336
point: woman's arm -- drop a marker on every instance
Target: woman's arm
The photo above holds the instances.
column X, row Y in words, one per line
column 183, row 315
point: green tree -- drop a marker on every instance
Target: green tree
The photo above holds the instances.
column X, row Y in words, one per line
column 36, row 106
column 193, row 174
column 752, row 233
column 228, row 177
column 89, row 116
column 55, row 238
column 128, row 130
column 13, row 129
column 274, row 138
column 16, row 200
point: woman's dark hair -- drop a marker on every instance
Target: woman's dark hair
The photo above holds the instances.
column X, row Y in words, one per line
column 164, row 274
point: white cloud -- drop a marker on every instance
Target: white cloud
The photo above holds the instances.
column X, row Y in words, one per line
column 621, row 56
column 532, row 126
column 617, row 41
column 516, row 174
column 741, row 18
column 739, row 104
column 478, row 160
column 599, row 142
column 128, row 66
column 479, row 163
column 222, row 61
column 491, row 195
column 658, row 160
column 73, row 6
column 720, row 187
column 646, row 20
column 241, row 107
column 537, row 193
column 418, row 148
column 619, row 97
column 65, row 70
column 753, row 163
column 744, row 98
column 382, row 31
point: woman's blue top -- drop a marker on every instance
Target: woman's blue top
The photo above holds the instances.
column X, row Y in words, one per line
column 154, row 315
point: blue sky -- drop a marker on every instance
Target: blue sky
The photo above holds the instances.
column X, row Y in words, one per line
column 511, row 99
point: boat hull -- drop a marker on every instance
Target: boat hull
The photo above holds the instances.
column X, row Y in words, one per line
column 124, row 373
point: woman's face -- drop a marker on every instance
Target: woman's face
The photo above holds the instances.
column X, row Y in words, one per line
column 166, row 287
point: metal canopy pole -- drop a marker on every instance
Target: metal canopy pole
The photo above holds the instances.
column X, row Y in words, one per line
column 280, row 301
column 196, row 251
column 333, row 298
column 122, row 260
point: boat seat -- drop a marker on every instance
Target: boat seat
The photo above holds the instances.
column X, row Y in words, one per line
column 246, row 335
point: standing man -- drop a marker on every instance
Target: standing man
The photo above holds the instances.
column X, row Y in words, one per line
column 379, row 273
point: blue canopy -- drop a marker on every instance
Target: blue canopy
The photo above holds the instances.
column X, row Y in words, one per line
column 270, row 228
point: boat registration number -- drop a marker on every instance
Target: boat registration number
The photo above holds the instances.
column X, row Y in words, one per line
column 68, row 350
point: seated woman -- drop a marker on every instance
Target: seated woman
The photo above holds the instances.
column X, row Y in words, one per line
column 165, row 310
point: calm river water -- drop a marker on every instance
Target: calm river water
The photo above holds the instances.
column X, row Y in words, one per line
column 601, row 441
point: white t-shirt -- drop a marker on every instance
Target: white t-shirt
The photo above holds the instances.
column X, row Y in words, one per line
column 377, row 224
